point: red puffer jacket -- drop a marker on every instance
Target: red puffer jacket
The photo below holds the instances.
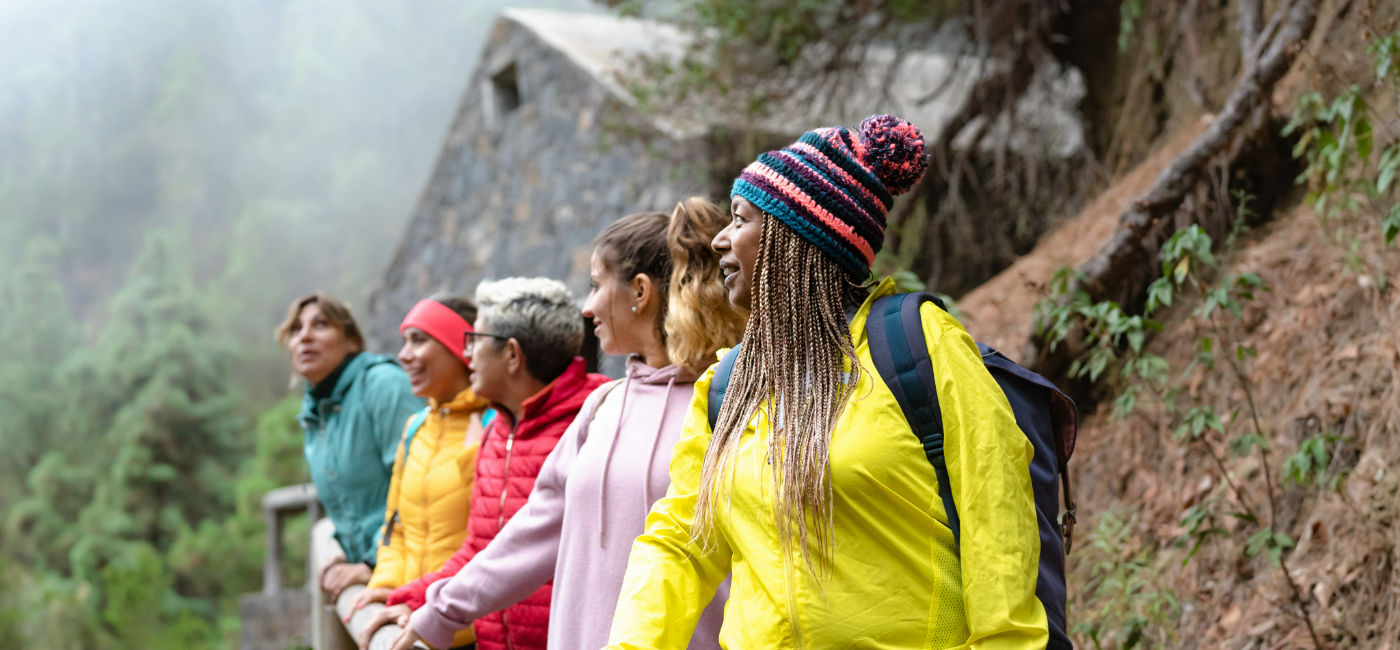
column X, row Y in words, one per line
column 510, row 458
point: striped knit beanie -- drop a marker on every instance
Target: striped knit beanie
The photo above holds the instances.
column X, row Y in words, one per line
column 834, row 187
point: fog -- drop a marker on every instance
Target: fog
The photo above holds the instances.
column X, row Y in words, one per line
column 280, row 143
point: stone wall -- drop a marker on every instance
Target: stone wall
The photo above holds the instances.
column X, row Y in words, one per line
column 523, row 189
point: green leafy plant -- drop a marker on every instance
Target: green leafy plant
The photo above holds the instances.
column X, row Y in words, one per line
column 1193, row 272
column 1131, row 608
column 1347, row 171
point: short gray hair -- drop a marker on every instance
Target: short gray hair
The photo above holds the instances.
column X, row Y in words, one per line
column 540, row 314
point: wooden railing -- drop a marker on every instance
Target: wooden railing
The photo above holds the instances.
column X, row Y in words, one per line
column 278, row 615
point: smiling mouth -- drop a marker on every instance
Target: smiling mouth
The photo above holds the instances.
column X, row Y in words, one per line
column 728, row 272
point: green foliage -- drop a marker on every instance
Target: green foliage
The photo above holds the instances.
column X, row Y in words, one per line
column 1131, row 609
column 1269, row 541
column 745, row 42
column 1129, row 11
column 1107, row 329
column 1336, row 139
column 240, row 135
column 1190, row 268
column 1310, row 464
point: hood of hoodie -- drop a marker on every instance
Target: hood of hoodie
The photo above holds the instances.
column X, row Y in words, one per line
column 639, row 371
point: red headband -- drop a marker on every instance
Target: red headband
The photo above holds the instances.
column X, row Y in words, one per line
column 440, row 322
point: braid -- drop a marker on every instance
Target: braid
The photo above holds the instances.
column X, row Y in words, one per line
column 793, row 365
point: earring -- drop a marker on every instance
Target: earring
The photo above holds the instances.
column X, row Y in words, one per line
column 634, row 309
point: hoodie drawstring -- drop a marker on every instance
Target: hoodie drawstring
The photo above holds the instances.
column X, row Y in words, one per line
column 607, row 459
column 655, row 442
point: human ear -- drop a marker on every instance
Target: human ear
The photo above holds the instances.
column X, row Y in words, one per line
column 643, row 291
column 515, row 356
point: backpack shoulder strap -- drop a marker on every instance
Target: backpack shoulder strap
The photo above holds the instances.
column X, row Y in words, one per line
column 896, row 334
column 719, row 383
column 411, row 429
column 414, row 424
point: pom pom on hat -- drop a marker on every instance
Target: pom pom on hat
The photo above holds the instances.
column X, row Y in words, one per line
column 894, row 151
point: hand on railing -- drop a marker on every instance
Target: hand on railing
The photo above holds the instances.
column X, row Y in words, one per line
column 382, row 634
column 407, row 638
column 394, row 614
column 370, row 595
column 337, row 575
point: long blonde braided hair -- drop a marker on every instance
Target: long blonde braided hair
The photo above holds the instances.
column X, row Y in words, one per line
column 797, row 363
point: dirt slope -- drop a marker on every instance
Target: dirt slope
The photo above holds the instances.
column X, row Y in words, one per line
column 998, row 312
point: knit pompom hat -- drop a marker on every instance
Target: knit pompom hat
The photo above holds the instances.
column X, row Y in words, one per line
column 834, row 187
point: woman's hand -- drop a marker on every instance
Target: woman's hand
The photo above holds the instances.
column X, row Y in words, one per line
column 337, row 577
column 397, row 614
column 375, row 595
column 406, row 639
column 338, row 558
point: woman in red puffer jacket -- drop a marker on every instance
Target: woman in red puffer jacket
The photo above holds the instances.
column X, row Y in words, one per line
column 523, row 350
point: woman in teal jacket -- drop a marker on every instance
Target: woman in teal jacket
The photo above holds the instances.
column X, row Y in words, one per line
column 352, row 413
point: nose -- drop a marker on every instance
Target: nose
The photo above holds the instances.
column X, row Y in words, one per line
column 588, row 304
column 405, row 353
column 721, row 241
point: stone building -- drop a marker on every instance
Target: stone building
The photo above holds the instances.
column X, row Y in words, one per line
column 549, row 145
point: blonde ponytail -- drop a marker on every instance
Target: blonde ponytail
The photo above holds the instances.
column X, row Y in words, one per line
column 699, row 317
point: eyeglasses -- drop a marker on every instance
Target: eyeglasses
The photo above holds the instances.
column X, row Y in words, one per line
column 469, row 341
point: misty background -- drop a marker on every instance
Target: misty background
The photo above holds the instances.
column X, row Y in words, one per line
column 172, row 174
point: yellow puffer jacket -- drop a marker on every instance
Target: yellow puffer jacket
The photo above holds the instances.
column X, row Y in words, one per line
column 897, row 580
column 431, row 491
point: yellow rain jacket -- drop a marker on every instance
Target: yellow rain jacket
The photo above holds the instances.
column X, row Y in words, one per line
column 431, row 491
column 897, row 579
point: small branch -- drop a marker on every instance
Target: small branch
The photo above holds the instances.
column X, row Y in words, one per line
column 1251, row 15
column 1230, row 482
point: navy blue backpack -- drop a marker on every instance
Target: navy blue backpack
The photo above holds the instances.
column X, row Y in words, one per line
column 1044, row 413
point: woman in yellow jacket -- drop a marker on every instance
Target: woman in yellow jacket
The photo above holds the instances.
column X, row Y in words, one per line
column 425, row 516
column 812, row 490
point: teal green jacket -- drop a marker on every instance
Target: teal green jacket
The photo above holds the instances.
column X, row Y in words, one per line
column 351, row 440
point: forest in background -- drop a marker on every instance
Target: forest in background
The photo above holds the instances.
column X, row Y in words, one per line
column 172, row 174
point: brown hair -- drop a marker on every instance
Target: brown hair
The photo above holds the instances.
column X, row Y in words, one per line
column 793, row 364
column 699, row 317
column 334, row 310
column 464, row 308
column 695, row 317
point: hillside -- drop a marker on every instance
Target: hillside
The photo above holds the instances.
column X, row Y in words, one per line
column 1253, row 479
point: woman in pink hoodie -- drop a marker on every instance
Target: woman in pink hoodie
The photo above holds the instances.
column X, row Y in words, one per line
column 657, row 297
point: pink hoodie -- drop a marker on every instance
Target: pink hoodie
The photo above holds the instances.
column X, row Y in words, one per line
column 590, row 501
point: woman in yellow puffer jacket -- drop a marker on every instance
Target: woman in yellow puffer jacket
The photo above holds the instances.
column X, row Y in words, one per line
column 812, row 491
column 426, row 512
